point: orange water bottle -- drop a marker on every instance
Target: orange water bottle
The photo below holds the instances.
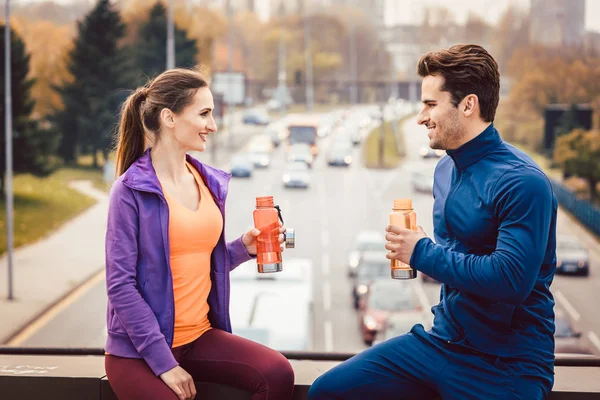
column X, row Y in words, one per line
column 404, row 216
column 268, row 249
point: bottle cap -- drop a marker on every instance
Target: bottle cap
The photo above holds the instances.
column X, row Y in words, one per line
column 402, row 204
column 265, row 201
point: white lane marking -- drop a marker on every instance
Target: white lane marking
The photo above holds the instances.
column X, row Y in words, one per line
column 328, row 336
column 325, row 238
column 326, row 296
column 325, row 264
column 567, row 306
column 56, row 309
column 594, row 339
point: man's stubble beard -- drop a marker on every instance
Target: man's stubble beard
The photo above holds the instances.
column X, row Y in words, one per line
column 451, row 133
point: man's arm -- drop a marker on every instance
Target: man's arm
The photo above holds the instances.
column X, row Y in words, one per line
column 524, row 206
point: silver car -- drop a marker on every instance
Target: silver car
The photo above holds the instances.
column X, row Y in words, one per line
column 571, row 256
column 365, row 241
column 296, row 175
column 422, row 181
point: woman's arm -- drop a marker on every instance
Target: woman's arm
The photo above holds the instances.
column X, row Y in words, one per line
column 132, row 310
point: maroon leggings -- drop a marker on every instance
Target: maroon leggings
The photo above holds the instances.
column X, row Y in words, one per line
column 216, row 356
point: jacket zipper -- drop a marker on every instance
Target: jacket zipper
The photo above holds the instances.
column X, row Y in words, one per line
column 446, row 206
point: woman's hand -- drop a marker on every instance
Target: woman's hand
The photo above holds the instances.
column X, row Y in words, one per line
column 249, row 239
column 180, row 382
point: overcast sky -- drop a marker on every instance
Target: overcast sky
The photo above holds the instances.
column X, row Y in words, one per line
column 489, row 9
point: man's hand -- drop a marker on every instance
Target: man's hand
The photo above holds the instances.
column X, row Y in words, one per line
column 180, row 382
column 402, row 242
column 249, row 239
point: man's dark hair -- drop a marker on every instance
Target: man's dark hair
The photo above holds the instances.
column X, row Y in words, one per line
column 466, row 69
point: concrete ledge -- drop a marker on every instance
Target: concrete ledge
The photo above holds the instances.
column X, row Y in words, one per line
column 49, row 377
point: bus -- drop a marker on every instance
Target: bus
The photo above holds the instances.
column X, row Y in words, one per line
column 304, row 132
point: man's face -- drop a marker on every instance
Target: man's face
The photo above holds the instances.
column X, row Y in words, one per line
column 439, row 115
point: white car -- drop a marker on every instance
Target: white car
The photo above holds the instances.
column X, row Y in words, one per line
column 422, row 181
column 296, row 175
column 274, row 309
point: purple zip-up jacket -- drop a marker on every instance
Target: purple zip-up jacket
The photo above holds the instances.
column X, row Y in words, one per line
column 141, row 306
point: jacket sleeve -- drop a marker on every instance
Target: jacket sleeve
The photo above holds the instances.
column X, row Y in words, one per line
column 121, row 249
column 237, row 253
column 524, row 203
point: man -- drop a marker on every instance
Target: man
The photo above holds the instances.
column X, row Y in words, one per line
column 495, row 231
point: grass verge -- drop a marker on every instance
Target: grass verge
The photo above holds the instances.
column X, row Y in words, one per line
column 394, row 146
column 42, row 205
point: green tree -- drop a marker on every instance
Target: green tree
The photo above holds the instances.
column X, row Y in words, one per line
column 91, row 99
column 150, row 47
column 32, row 146
column 579, row 154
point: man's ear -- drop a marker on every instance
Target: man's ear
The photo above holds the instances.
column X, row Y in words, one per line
column 167, row 118
column 469, row 105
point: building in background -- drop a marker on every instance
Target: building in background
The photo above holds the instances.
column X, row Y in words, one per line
column 557, row 22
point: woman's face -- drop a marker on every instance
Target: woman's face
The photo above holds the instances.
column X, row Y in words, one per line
column 193, row 125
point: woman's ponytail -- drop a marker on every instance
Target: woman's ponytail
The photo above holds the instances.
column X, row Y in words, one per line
column 132, row 135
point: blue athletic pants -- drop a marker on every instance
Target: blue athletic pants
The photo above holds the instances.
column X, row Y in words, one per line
column 422, row 367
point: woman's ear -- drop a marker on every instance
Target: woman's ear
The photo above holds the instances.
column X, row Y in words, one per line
column 167, row 118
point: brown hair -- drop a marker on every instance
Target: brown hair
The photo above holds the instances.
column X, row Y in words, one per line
column 466, row 69
column 173, row 89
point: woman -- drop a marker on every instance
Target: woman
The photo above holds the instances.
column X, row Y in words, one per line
column 167, row 262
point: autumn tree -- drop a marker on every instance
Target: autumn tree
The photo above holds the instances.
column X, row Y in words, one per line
column 49, row 45
column 91, row 99
column 476, row 30
column 511, row 34
column 579, row 154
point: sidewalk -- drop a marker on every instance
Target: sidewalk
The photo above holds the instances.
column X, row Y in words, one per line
column 45, row 271
column 48, row 270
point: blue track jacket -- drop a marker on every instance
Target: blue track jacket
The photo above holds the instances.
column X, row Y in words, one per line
column 495, row 231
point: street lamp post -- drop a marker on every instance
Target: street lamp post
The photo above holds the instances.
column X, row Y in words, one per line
column 170, row 37
column 8, row 148
column 309, row 67
column 229, row 92
column 353, row 71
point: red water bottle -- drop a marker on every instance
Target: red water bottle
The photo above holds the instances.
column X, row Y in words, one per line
column 266, row 220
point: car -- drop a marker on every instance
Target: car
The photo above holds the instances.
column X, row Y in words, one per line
column 571, row 256
column 275, row 135
column 295, row 175
column 241, row 167
column 422, row 181
column 365, row 241
column 402, row 323
column 566, row 338
column 372, row 265
column 259, row 159
column 427, row 152
column 256, row 118
column 274, row 309
column 261, row 143
column 300, row 152
column 340, row 153
column 387, row 297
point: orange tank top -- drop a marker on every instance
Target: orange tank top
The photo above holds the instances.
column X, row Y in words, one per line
column 192, row 238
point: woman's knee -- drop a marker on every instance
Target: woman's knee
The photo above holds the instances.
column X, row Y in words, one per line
column 280, row 370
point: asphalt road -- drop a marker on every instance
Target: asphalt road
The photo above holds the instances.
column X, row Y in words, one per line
column 327, row 217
